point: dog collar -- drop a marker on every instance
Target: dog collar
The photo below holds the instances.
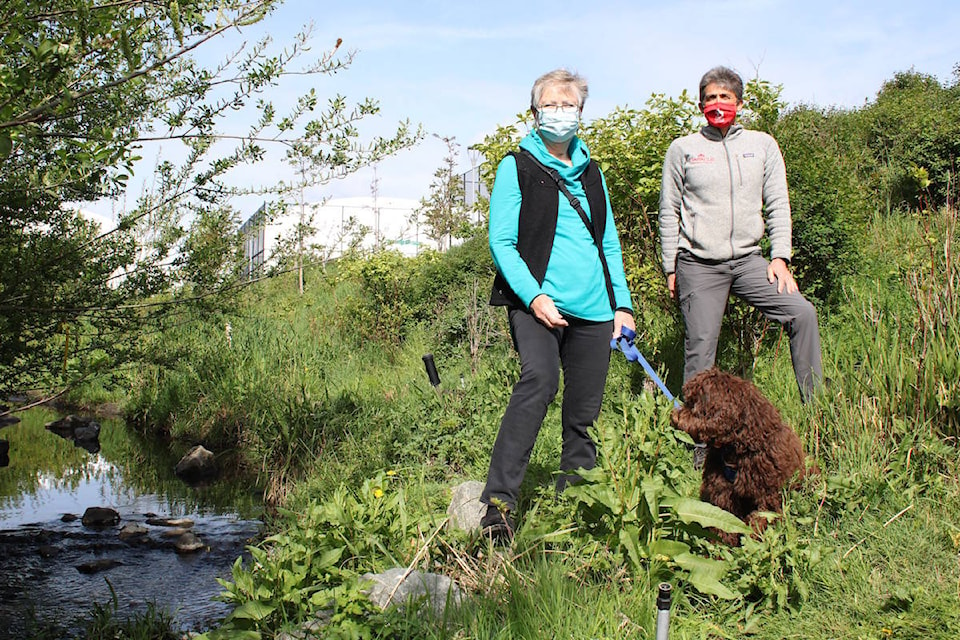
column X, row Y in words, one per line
column 729, row 470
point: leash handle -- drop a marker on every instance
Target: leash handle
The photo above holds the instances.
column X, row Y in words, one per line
column 625, row 344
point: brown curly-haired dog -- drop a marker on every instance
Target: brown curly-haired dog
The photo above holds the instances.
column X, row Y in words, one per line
column 751, row 452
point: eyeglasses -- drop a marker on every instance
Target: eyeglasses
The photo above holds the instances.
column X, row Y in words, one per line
column 566, row 107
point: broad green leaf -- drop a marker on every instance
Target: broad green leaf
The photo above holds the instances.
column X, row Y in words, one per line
column 652, row 488
column 668, row 548
column 707, row 515
column 630, row 540
column 597, row 493
column 707, row 566
column 6, row 144
column 707, row 584
column 705, row 574
column 329, row 558
column 253, row 610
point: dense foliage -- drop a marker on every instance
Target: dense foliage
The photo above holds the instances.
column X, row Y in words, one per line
column 84, row 86
column 913, row 132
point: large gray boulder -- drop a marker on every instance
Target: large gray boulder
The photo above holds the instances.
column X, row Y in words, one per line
column 465, row 508
column 197, row 464
column 100, row 517
column 395, row 587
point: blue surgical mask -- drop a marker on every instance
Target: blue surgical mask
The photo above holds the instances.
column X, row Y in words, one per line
column 559, row 126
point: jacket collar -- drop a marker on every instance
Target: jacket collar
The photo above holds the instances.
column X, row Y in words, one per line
column 712, row 133
column 579, row 154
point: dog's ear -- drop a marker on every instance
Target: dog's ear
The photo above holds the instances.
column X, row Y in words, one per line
column 759, row 413
column 720, row 406
column 707, row 406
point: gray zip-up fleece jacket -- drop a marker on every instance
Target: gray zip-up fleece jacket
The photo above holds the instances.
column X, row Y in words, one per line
column 716, row 193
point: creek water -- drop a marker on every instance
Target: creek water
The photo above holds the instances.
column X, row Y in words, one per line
column 49, row 477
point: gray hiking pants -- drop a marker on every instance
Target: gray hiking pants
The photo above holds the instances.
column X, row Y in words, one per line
column 703, row 289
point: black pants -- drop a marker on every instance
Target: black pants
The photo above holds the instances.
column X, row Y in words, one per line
column 583, row 350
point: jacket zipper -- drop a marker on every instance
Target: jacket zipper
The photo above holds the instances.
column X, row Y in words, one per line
column 733, row 218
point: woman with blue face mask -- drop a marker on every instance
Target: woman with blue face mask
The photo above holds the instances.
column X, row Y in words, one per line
column 560, row 276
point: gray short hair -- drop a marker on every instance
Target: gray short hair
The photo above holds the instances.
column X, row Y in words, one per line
column 562, row 77
column 726, row 78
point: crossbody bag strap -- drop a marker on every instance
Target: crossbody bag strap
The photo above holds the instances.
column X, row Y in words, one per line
column 575, row 203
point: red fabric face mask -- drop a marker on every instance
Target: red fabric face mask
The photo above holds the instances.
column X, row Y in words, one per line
column 720, row 114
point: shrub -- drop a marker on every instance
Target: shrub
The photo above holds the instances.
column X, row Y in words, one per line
column 629, row 509
column 914, row 123
column 312, row 570
column 382, row 309
column 830, row 205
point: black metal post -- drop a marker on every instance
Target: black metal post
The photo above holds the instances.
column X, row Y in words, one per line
column 431, row 370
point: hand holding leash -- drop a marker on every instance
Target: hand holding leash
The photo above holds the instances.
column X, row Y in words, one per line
column 625, row 344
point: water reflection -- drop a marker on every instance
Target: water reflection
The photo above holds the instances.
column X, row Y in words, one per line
column 48, row 476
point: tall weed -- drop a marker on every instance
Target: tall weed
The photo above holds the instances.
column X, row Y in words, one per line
column 936, row 290
column 906, row 356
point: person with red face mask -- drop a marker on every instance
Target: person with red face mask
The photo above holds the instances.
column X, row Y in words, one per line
column 722, row 188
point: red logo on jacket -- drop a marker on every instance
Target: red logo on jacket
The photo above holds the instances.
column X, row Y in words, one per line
column 701, row 159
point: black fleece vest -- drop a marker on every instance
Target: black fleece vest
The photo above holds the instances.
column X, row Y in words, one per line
column 539, row 199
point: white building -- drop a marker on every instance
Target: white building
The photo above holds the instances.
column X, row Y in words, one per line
column 473, row 189
column 373, row 224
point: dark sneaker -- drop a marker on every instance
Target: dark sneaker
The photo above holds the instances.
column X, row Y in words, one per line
column 699, row 455
column 497, row 526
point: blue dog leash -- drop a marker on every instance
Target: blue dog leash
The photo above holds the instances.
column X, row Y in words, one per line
column 625, row 344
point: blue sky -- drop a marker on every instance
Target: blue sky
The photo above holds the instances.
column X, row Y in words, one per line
column 461, row 68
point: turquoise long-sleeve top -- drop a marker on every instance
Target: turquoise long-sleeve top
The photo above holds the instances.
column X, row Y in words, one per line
column 574, row 277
